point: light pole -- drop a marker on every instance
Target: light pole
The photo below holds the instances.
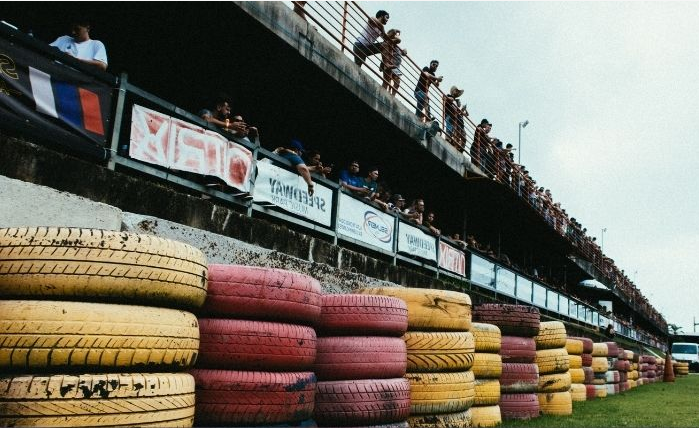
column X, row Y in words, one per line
column 604, row 229
column 519, row 143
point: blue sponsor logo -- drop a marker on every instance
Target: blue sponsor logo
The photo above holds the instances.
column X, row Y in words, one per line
column 377, row 227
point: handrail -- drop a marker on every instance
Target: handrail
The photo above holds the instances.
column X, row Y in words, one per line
column 347, row 20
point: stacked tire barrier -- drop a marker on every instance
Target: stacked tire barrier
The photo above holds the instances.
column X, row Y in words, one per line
column 487, row 368
column 600, row 365
column 586, row 361
column 647, row 369
column 440, row 355
column 361, row 361
column 554, row 369
column 659, row 369
column 258, row 346
column 681, row 368
column 632, row 374
column 519, row 379
column 97, row 329
column 623, row 366
column 574, row 347
column 612, row 376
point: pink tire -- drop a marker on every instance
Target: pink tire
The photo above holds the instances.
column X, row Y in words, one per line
column 362, row 314
column 513, row 320
column 248, row 292
column 517, row 378
column 514, row 349
column 519, row 406
column 360, row 357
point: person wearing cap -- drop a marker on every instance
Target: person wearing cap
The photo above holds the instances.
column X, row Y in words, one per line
column 397, row 203
column 454, row 118
column 391, row 59
column 81, row 46
column 350, row 180
column 293, row 154
column 480, row 142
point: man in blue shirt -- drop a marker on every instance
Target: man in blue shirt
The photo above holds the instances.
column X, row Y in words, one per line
column 350, row 180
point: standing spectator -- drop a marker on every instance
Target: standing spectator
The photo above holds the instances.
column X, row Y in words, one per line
column 370, row 182
column 243, row 131
column 350, row 180
column 454, row 115
column 293, row 154
column 220, row 116
column 415, row 211
column 391, row 60
column 427, row 78
column 428, row 222
column 81, row 46
column 480, row 142
column 397, row 203
column 366, row 44
column 315, row 165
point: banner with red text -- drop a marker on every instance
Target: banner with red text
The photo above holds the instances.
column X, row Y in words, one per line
column 173, row 143
column 452, row 259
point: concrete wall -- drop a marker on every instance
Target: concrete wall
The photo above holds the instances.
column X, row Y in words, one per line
column 313, row 46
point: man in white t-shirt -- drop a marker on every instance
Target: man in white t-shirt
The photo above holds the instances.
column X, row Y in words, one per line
column 366, row 44
column 82, row 47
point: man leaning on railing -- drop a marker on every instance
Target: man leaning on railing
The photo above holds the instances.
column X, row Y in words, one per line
column 366, row 44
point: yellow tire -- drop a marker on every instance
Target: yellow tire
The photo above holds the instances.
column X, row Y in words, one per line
column 487, row 366
column 600, row 391
column 552, row 334
column 600, row 364
column 134, row 399
column 100, row 265
column 600, row 349
column 487, row 392
column 94, row 336
column 574, row 346
column 552, row 361
column 556, row 382
column 440, row 392
column 431, row 309
column 629, row 355
column 486, row 416
column 439, row 351
column 632, row 384
column 445, row 420
column 555, row 403
column 487, row 337
column 575, row 361
column 577, row 375
column 578, row 392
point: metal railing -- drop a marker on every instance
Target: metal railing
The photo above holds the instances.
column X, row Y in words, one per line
column 342, row 22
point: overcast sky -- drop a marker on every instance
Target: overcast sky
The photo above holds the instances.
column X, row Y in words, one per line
column 611, row 91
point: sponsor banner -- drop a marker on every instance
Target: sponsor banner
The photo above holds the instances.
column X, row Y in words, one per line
column 175, row 144
column 289, row 191
column 41, row 96
column 452, row 259
column 365, row 223
column 414, row 241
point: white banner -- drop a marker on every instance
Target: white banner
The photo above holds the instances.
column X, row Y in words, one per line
column 365, row 223
column 452, row 259
column 414, row 241
column 289, row 191
column 163, row 140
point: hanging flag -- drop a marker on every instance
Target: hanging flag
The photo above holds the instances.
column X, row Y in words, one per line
column 50, row 100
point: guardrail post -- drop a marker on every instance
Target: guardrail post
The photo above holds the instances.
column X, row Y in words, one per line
column 344, row 26
column 118, row 116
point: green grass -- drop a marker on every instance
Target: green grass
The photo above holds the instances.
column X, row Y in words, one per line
column 655, row 405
